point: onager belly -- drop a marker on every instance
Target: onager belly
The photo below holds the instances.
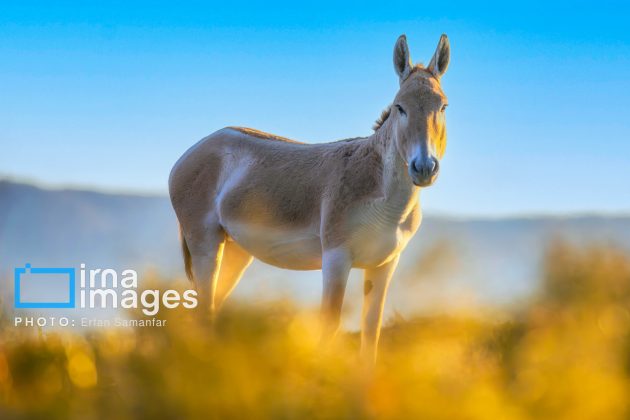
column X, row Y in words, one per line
column 371, row 242
column 294, row 249
column 371, row 245
column 301, row 250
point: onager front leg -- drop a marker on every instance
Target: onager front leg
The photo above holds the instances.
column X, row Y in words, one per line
column 336, row 266
column 375, row 285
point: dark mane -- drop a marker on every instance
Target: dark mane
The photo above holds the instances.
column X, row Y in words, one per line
column 381, row 120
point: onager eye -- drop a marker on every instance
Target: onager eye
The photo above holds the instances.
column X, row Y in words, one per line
column 443, row 108
column 400, row 109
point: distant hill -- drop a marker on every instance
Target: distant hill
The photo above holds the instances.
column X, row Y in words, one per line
column 56, row 227
column 450, row 263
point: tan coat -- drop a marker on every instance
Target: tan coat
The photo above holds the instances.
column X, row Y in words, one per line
column 241, row 193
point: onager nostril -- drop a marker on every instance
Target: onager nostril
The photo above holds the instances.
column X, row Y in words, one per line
column 414, row 165
column 435, row 166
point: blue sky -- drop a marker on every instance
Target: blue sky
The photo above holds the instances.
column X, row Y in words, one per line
column 108, row 96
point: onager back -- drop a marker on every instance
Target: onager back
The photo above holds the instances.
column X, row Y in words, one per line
column 240, row 193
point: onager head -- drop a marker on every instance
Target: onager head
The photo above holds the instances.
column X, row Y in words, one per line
column 418, row 112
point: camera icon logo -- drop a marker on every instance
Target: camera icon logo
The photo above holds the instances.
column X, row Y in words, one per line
column 37, row 287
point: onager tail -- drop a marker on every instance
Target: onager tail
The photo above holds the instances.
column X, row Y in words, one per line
column 186, row 253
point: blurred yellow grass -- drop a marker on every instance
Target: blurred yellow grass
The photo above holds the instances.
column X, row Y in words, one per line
column 565, row 354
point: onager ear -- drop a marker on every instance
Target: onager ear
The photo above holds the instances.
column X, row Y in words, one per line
column 439, row 62
column 402, row 61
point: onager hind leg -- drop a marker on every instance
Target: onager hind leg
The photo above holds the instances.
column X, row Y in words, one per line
column 206, row 246
column 234, row 263
column 375, row 285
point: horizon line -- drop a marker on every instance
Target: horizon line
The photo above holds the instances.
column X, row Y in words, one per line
column 438, row 214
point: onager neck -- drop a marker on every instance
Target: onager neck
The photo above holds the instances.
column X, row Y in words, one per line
column 398, row 189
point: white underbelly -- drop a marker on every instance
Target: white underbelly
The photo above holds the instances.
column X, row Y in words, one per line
column 371, row 242
column 291, row 248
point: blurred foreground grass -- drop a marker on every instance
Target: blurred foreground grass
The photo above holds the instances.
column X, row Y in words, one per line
column 566, row 354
